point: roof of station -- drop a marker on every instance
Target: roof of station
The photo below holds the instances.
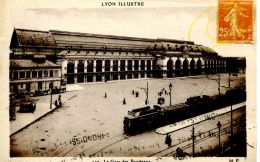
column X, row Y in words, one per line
column 22, row 63
column 75, row 40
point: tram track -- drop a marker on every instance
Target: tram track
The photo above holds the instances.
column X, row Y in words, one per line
column 185, row 147
column 96, row 153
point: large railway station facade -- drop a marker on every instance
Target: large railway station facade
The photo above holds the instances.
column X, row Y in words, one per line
column 83, row 57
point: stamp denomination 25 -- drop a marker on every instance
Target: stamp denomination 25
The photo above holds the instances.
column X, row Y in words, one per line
column 235, row 20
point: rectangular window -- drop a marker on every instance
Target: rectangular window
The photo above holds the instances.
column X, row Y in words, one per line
column 45, row 73
column 22, row 74
column 34, row 74
column 39, row 85
column 15, row 75
column 51, row 73
column 28, row 74
column 10, row 75
column 56, row 74
column 39, row 74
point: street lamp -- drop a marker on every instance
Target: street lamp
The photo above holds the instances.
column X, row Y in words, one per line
column 170, row 87
column 146, row 90
column 219, row 127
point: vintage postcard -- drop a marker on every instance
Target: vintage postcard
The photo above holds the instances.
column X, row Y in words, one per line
column 128, row 81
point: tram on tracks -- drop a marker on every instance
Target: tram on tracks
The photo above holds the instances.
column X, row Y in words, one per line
column 150, row 117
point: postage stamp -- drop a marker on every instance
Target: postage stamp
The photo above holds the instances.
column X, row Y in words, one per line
column 235, row 21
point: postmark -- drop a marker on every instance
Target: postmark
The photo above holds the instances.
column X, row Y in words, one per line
column 235, row 21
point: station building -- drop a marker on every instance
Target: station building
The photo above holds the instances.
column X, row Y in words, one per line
column 84, row 57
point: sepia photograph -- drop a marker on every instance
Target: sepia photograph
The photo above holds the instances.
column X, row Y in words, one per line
column 145, row 80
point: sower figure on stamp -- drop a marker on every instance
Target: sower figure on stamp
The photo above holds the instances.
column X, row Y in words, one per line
column 232, row 18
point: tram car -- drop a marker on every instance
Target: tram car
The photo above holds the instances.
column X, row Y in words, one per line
column 149, row 117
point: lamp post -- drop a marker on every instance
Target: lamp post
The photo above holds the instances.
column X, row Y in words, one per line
column 170, row 87
column 219, row 127
column 218, row 84
column 146, row 90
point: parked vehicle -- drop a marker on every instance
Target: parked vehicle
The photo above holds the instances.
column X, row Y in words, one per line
column 27, row 105
column 60, row 89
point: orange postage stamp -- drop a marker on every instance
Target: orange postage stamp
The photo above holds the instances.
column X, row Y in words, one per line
column 235, row 21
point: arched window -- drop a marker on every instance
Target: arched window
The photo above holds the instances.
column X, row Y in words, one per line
column 185, row 64
column 107, row 65
column 169, row 68
column 99, row 66
column 199, row 64
column 70, row 67
column 90, row 66
column 80, row 67
column 122, row 65
column 80, row 72
column 192, row 64
column 129, row 65
column 136, row 64
column 115, row 65
column 178, row 64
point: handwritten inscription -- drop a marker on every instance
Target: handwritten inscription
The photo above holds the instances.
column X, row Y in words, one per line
column 143, row 147
column 84, row 139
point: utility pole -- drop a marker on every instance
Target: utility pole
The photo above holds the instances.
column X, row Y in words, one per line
column 51, row 100
column 219, row 145
column 193, row 142
column 218, row 84
column 231, row 126
column 170, row 87
column 147, row 90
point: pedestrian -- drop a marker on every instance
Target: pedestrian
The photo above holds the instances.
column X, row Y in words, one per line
column 56, row 103
column 168, row 140
column 136, row 94
column 105, row 95
column 59, row 99
column 124, row 102
column 133, row 92
column 179, row 152
column 59, row 103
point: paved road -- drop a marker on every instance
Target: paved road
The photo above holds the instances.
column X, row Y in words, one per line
column 94, row 122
